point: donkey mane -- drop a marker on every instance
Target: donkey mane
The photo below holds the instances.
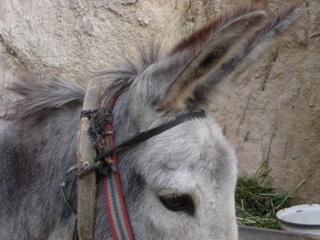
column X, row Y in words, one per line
column 41, row 94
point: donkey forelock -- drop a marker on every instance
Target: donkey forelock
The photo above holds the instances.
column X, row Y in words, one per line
column 121, row 79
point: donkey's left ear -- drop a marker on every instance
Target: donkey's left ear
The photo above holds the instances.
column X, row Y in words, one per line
column 214, row 53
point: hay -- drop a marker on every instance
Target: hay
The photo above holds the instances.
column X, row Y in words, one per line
column 257, row 200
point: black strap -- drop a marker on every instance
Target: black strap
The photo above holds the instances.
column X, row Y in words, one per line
column 143, row 136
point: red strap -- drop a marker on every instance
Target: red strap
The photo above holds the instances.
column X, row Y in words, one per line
column 115, row 205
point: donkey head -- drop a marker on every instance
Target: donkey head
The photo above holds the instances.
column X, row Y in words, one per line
column 180, row 184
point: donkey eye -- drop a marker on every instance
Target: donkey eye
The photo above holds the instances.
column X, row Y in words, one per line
column 181, row 203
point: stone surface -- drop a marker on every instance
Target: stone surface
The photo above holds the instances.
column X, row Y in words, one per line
column 273, row 115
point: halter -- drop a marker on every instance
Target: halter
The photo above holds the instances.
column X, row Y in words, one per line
column 106, row 164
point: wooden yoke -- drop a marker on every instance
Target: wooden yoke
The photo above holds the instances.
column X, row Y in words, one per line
column 86, row 154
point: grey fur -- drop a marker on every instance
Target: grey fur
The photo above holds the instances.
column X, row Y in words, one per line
column 38, row 141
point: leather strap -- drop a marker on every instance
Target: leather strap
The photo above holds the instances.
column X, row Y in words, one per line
column 86, row 154
column 104, row 167
column 143, row 136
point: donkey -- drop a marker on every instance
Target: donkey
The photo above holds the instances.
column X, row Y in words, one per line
column 178, row 184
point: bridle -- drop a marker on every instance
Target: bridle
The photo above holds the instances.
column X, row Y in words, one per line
column 105, row 163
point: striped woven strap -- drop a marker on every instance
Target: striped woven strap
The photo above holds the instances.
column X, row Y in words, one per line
column 116, row 211
column 115, row 205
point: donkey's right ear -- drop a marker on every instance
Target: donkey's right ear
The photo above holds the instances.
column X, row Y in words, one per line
column 195, row 57
column 218, row 52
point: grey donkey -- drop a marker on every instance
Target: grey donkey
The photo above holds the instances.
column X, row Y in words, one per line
column 177, row 185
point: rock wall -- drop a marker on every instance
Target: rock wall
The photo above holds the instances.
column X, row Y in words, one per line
column 273, row 116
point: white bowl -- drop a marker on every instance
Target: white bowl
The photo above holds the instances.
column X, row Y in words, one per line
column 301, row 219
